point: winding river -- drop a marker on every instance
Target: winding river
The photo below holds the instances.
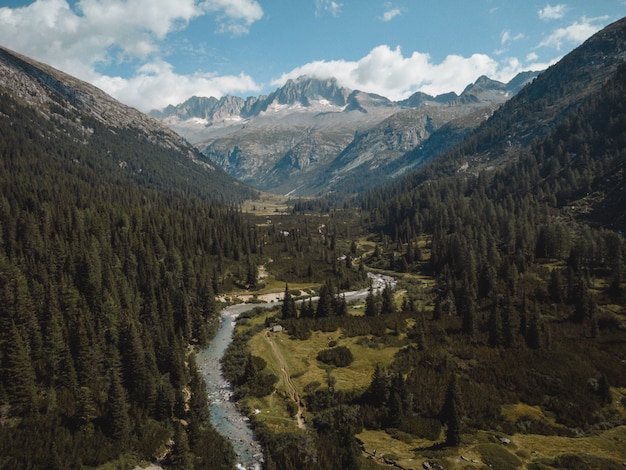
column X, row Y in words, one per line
column 225, row 415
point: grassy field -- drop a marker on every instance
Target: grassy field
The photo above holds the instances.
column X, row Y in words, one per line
column 485, row 450
column 298, row 358
column 267, row 205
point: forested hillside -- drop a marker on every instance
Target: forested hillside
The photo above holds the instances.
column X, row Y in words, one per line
column 529, row 263
column 106, row 276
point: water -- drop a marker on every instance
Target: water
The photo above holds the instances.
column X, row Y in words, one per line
column 225, row 416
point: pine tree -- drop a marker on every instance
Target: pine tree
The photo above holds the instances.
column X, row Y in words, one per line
column 117, row 420
column 307, row 310
column 388, row 306
column 325, row 302
column 377, row 393
column 181, row 456
column 18, row 374
column 451, row 413
column 534, row 334
column 495, row 328
column 288, row 309
column 341, row 306
column 467, row 308
column 371, row 303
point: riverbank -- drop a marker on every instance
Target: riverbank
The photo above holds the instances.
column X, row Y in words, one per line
column 226, row 416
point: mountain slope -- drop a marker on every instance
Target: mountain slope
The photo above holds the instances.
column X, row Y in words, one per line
column 523, row 223
column 312, row 136
column 563, row 132
column 159, row 158
column 109, row 243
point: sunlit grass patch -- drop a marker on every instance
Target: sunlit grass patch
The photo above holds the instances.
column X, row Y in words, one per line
column 608, row 444
column 300, row 358
column 272, row 412
column 514, row 412
column 266, row 205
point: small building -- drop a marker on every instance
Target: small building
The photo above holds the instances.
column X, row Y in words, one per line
column 277, row 328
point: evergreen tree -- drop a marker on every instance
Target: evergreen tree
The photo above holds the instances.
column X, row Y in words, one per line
column 467, row 308
column 307, row 310
column 371, row 303
column 325, row 302
column 452, row 413
column 18, row 374
column 288, row 309
column 378, row 390
column 118, row 421
column 388, row 306
column 495, row 328
column 180, row 456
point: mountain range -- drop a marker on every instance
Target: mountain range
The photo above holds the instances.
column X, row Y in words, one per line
column 117, row 235
column 310, row 136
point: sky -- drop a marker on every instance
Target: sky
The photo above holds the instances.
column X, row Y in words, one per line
column 151, row 53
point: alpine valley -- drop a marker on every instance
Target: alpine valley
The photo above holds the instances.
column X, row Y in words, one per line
column 453, row 298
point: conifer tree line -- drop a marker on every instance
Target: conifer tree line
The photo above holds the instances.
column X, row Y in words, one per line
column 104, row 283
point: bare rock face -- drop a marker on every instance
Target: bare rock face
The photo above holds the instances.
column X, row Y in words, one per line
column 311, row 136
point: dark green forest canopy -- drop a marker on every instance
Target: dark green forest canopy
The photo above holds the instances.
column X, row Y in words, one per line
column 106, row 275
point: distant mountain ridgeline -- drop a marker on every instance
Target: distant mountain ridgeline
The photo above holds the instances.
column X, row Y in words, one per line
column 312, row 136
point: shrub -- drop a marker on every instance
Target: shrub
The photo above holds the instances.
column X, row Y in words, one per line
column 340, row 356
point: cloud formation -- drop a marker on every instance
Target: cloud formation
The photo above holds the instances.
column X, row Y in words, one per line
column 387, row 72
column 156, row 85
column 552, row 12
column 129, row 48
column 574, row 33
column 328, row 6
column 235, row 16
column 390, row 12
column 94, row 34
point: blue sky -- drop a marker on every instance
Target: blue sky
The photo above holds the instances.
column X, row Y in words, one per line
column 150, row 53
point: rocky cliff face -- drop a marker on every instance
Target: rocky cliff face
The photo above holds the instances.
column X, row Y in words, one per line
column 306, row 137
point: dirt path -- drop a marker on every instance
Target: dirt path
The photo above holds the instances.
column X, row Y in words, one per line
column 291, row 387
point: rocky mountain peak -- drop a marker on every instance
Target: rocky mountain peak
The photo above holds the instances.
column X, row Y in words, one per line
column 305, row 91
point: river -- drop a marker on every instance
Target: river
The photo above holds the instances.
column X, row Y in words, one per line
column 225, row 415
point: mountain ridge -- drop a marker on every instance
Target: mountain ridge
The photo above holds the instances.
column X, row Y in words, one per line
column 77, row 107
column 288, row 141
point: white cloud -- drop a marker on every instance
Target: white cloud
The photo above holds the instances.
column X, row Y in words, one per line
column 330, row 6
column 235, row 16
column 506, row 37
column 387, row 72
column 552, row 12
column 576, row 33
column 92, row 34
column 390, row 12
column 532, row 57
column 156, row 85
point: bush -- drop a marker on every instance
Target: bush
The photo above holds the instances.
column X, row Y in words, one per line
column 340, row 356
